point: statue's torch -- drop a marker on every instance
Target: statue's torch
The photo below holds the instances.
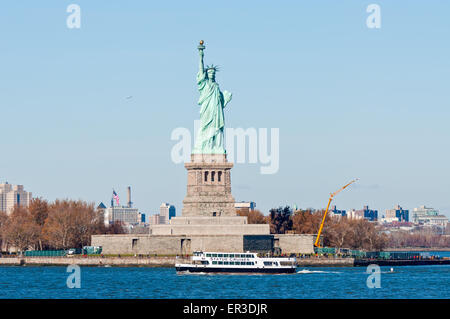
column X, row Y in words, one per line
column 201, row 47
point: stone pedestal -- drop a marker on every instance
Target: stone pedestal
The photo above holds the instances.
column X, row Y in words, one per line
column 208, row 208
column 208, row 187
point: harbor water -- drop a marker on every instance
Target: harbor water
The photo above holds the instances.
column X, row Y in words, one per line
column 421, row 282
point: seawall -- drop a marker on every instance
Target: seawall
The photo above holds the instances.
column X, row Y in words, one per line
column 91, row 261
column 146, row 261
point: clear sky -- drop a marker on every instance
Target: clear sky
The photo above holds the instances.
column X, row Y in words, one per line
column 349, row 101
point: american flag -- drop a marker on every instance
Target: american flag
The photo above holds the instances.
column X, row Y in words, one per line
column 116, row 197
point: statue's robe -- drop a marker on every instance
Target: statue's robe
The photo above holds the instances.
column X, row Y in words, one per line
column 212, row 101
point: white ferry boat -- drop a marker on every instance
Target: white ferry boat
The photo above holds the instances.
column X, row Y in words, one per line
column 217, row 262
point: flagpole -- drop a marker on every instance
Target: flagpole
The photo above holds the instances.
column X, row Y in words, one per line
column 112, row 207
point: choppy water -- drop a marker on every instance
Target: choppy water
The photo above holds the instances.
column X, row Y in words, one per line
column 308, row 282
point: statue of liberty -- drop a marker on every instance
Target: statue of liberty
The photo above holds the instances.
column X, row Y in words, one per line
column 210, row 137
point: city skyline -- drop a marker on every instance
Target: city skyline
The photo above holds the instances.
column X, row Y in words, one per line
column 87, row 109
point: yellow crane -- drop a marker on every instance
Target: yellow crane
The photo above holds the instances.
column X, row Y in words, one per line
column 317, row 244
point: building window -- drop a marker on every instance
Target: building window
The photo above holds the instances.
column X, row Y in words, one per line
column 212, row 176
column 134, row 242
column 219, row 176
column 206, row 176
column 214, row 214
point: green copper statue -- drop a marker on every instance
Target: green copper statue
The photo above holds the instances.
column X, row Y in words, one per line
column 212, row 101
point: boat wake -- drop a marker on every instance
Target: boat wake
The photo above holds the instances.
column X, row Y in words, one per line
column 306, row 271
column 192, row 273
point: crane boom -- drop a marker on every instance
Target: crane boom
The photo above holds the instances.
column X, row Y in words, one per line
column 326, row 210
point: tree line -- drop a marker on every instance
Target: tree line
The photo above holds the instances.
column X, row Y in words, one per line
column 341, row 232
column 425, row 237
column 61, row 224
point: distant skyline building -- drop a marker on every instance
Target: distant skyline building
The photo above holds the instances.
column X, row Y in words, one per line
column 369, row 214
column 336, row 211
column 402, row 215
column 166, row 212
column 154, row 219
column 126, row 215
column 130, row 203
column 245, row 206
column 428, row 216
column 12, row 195
column 354, row 214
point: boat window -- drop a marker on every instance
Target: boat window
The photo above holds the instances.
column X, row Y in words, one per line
column 208, row 255
column 249, row 256
column 214, row 255
column 231, row 255
column 242, row 256
column 286, row 263
column 220, row 255
column 231, row 262
column 267, row 263
column 205, row 262
column 214, row 262
column 220, row 262
column 248, row 263
column 225, row 263
column 225, row 255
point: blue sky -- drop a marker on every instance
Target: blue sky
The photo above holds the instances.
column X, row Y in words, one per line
column 349, row 101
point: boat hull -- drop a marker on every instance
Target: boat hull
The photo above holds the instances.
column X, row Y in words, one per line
column 235, row 270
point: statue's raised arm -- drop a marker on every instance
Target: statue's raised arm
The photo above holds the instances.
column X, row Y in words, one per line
column 201, row 66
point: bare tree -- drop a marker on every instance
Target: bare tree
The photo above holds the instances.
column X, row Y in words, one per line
column 306, row 221
column 3, row 219
column 38, row 209
column 253, row 217
column 115, row 228
column 280, row 220
column 20, row 230
column 70, row 224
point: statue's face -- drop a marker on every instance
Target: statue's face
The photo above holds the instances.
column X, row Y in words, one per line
column 211, row 74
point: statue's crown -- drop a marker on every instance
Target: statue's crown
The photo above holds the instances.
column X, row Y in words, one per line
column 212, row 67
